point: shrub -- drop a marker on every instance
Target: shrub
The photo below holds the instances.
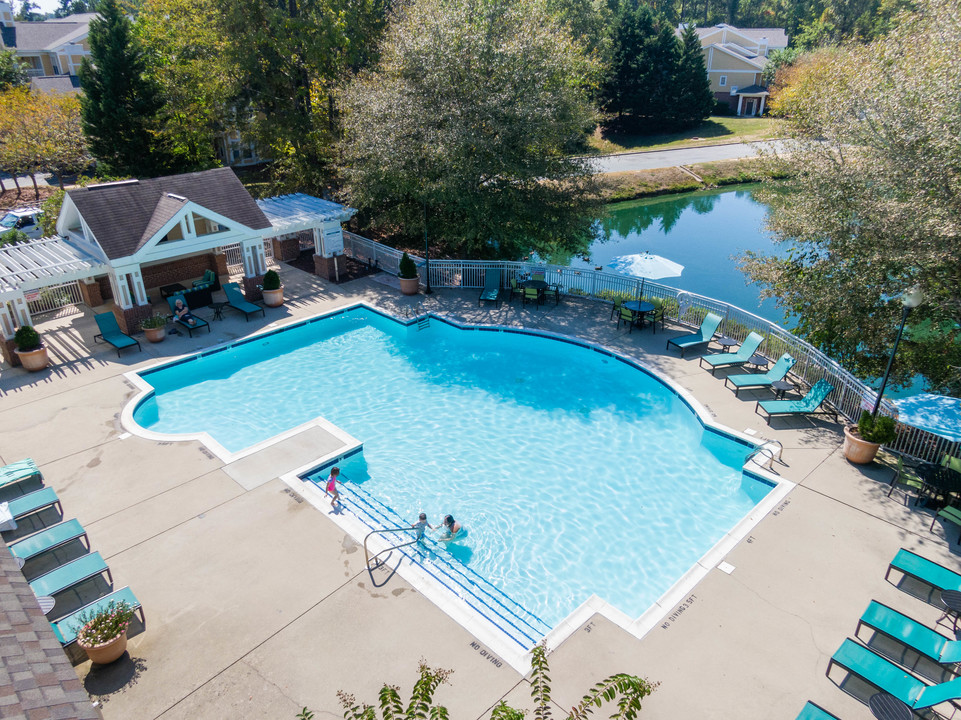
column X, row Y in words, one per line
column 271, row 280
column 876, row 429
column 96, row 628
column 406, row 268
column 12, row 237
column 154, row 321
column 27, row 339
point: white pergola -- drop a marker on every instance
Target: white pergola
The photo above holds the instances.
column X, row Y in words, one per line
column 34, row 265
column 289, row 214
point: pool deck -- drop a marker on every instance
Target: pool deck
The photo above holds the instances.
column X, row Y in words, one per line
column 257, row 605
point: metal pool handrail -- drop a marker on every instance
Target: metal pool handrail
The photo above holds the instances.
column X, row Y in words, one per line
column 850, row 395
column 367, row 556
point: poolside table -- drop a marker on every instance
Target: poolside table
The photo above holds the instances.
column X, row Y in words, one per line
column 640, row 309
column 539, row 285
column 726, row 343
column 758, row 361
column 940, row 481
column 887, row 707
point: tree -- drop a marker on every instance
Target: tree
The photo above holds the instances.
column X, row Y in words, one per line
column 184, row 51
column 875, row 207
column 63, row 146
column 120, row 104
column 19, row 139
column 73, row 7
column 28, row 12
column 460, row 131
column 777, row 60
column 639, row 89
column 12, row 71
column 627, row 690
column 693, row 99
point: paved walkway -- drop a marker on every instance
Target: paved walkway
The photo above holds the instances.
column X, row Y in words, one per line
column 258, row 605
column 653, row 159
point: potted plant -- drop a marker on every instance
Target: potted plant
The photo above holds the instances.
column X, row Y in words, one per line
column 862, row 441
column 103, row 632
column 407, row 274
column 30, row 350
column 155, row 328
column 273, row 290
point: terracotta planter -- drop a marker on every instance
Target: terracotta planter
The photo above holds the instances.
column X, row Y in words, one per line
column 107, row 652
column 274, row 298
column 856, row 450
column 409, row 286
column 33, row 360
column 155, row 335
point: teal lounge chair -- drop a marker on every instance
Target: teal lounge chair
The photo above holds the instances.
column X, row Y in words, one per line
column 919, row 568
column 50, row 539
column 237, row 301
column 34, row 502
column 750, row 345
column 950, row 514
column 66, row 628
column 492, row 287
column 18, row 472
column 701, row 337
column 810, row 404
column 920, row 638
column 110, row 332
column 810, row 711
column 893, row 679
column 761, row 380
column 200, row 323
column 70, row 575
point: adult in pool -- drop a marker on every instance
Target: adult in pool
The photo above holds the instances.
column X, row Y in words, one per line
column 451, row 528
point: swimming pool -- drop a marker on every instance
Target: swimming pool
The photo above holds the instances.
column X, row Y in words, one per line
column 574, row 471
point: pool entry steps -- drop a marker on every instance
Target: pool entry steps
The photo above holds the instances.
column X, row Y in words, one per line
column 508, row 616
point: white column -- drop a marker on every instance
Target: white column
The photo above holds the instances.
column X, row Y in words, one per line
column 13, row 314
column 255, row 263
column 318, row 241
column 761, row 111
column 139, row 291
column 127, row 286
column 740, row 99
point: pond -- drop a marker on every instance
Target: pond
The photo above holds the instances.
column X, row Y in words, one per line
column 703, row 231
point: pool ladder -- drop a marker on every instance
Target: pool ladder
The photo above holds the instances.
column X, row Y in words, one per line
column 367, row 556
column 766, row 454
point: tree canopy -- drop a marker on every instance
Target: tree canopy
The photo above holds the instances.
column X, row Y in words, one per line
column 12, row 71
column 875, row 207
column 464, row 124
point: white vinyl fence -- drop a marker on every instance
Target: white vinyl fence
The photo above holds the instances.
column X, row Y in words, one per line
column 56, row 298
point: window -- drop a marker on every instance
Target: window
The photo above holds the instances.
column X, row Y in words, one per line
column 722, row 81
column 733, row 89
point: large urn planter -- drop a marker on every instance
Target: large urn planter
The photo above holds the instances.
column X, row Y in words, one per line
column 30, row 350
column 409, row 286
column 108, row 652
column 155, row 335
column 856, row 449
column 274, row 298
column 154, row 328
column 407, row 274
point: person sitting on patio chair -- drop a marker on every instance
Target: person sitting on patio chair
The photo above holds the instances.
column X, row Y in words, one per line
column 183, row 312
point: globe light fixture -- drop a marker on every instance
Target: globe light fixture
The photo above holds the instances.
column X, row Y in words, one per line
column 910, row 299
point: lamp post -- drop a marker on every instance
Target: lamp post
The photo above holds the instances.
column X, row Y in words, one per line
column 910, row 299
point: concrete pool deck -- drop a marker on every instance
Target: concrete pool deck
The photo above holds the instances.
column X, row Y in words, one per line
column 257, row 605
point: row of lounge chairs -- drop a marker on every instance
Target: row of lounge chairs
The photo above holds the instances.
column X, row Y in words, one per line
column 812, row 403
column 111, row 333
column 70, row 574
column 897, row 680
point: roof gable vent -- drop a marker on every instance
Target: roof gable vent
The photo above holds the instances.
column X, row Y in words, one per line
column 177, row 197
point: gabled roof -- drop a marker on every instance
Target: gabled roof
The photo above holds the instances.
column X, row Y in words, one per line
column 759, row 62
column 124, row 216
column 776, row 37
column 56, row 83
column 48, row 34
column 752, row 90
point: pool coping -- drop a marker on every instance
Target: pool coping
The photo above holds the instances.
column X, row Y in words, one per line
column 674, row 600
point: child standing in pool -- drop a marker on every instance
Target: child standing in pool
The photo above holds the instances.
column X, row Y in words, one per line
column 421, row 524
column 332, row 485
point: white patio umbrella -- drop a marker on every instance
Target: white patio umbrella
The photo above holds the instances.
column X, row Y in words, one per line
column 647, row 266
column 937, row 414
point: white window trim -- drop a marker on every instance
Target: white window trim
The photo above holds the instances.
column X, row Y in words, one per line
column 722, row 81
column 733, row 89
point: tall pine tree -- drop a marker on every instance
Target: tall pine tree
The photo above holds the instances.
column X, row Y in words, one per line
column 119, row 104
column 694, row 100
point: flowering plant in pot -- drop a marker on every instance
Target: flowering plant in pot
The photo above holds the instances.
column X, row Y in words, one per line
column 103, row 632
column 407, row 274
column 273, row 290
column 155, row 328
column 862, row 441
column 33, row 355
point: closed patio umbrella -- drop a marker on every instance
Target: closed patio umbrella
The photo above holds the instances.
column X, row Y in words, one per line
column 936, row 414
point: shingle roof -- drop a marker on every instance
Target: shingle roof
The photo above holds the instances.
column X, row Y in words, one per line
column 49, row 34
column 56, row 83
column 124, row 216
column 752, row 90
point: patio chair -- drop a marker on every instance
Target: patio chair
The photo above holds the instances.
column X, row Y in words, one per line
column 70, row 575
column 950, row 461
column 628, row 317
column 554, row 291
column 914, row 566
column 616, row 308
column 905, row 476
column 810, row 404
column 66, row 627
column 33, row 502
column 910, row 633
column 892, row 679
column 657, row 316
column 492, row 287
column 19, row 472
column 514, row 290
column 200, row 322
column 50, row 539
column 530, row 295
column 208, row 280
column 744, row 353
column 951, row 514
column 701, row 337
column 110, row 332
column 760, row 380
column 539, row 275
column 237, row 301
column 812, row 711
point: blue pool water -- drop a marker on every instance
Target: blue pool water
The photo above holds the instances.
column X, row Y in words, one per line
column 573, row 471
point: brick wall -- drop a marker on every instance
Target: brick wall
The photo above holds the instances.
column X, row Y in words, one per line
column 177, row 271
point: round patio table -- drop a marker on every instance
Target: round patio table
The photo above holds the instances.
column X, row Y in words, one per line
column 887, row 707
column 540, row 285
column 758, row 361
column 727, row 343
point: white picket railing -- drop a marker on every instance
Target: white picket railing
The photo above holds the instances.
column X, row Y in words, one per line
column 235, row 261
column 850, row 395
column 54, row 298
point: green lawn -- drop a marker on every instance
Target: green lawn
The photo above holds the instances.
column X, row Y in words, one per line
column 711, row 132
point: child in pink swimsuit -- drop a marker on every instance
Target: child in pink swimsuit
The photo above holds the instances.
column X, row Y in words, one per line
column 332, row 485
